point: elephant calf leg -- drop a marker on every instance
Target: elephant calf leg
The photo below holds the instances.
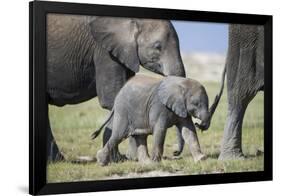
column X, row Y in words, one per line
column 190, row 137
column 103, row 155
column 180, row 143
column 115, row 155
column 132, row 152
column 142, row 152
column 132, row 149
column 158, row 144
column 118, row 133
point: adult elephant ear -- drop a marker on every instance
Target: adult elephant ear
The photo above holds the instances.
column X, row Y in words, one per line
column 171, row 94
column 118, row 37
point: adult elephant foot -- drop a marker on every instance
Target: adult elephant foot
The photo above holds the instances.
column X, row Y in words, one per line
column 231, row 155
column 53, row 153
column 231, row 147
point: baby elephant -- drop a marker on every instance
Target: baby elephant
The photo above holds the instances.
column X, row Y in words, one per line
column 147, row 105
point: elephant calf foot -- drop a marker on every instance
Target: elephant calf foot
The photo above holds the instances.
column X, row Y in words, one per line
column 145, row 161
column 116, row 156
column 102, row 157
column 178, row 148
column 156, row 156
column 122, row 157
column 130, row 157
column 132, row 154
column 199, row 157
column 231, row 155
column 176, row 153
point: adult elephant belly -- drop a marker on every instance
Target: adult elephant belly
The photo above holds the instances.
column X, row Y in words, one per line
column 71, row 86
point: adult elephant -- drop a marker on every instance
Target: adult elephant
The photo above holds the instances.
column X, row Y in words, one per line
column 94, row 56
column 245, row 77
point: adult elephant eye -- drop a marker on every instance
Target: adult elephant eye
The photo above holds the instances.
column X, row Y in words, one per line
column 155, row 59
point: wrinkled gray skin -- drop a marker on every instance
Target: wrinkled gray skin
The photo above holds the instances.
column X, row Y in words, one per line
column 245, row 77
column 146, row 105
column 95, row 56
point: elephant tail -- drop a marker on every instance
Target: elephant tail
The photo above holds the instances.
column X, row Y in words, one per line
column 97, row 132
column 218, row 96
column 216, row 100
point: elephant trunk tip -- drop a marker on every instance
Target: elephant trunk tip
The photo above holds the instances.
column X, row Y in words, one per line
column 202, row 127
column 176, row 69
column 205, row 123
column 179, row 73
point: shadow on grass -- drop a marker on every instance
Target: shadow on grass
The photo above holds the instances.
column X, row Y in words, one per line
column 83, row 160
column 213, row 155
column 247, row 156
column 253, row 156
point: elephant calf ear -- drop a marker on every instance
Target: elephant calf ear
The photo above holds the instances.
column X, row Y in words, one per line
column 118, row 37
column 171, row 94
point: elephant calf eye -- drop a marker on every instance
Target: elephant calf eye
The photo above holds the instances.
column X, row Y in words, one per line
column 157, row 45
column 196, row 103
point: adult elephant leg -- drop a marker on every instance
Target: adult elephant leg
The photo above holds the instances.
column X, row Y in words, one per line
column 231, row 147
column 115, row 155
column 242, row 87
column 245, row 77
column 53, row 152
column 180, row 142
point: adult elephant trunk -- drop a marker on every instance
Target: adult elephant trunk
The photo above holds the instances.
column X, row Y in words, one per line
column 177, row 70
column 175, row 67
column 171, row 60
column 206, row 120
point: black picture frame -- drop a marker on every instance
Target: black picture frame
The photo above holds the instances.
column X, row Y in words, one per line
column 38, row 102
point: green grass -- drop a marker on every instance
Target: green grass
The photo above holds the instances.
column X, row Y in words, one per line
column 73, row 125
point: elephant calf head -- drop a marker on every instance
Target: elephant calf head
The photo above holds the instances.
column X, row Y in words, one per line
column 186, row 97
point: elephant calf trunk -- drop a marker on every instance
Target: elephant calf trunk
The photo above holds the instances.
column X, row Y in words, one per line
column 205, row 121
column 203, row 126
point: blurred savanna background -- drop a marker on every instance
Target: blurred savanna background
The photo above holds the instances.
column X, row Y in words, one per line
column 203, row 48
